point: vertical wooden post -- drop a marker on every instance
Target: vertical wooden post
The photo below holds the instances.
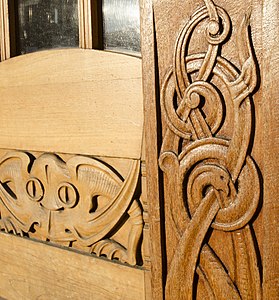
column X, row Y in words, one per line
column 151, row 140
column 4, row 30
column 270, row 151
column 85, row 24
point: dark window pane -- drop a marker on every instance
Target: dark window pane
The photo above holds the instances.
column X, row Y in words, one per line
column 121, row 25
column 46, row 24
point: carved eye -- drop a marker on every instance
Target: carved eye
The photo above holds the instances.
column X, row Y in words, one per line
column 67, row 194
column 35, row 189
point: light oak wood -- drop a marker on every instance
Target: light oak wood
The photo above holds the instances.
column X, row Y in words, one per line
column 31, row 270
column 72, row 101
column 78, row 202
column 85, row 24
column 79, row 102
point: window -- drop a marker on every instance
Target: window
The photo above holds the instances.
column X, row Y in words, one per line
column 121, row 26
column 33, row 25
column 46, row 24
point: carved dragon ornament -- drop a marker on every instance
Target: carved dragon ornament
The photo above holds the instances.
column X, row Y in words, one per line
column 214, row 181
column 81, row 203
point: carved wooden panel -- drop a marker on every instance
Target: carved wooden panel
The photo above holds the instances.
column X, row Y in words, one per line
column 208, row 76
column 79, row 202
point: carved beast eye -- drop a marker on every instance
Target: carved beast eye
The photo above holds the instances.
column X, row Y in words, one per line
column 67, row 194
column 35, row 189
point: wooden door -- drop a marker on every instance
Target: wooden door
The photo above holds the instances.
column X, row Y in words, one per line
column 72, row 193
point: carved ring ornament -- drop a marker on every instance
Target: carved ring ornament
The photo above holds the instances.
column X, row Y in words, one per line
column 214, row 181
column 81, row 203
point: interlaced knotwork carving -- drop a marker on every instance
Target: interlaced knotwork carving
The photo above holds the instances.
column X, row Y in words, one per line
column 81, row 203
column 213, row 181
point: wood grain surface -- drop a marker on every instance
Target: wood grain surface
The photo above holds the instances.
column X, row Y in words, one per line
column 270, row 151
column 73, row 101
column 197, row 62
column 151, row 148
column 210, row 179
column 32, row 270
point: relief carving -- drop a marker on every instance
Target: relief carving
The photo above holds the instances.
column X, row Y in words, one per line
column 80, row 203
column 211, row 181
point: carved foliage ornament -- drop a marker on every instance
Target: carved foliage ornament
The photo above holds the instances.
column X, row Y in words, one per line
column 213, row 181
column 81, row 203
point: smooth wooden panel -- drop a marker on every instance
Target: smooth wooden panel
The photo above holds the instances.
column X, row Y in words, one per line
column 73, row 101
column 31, row 270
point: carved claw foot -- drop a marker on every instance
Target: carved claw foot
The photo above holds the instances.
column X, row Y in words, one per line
column 111, row 250
column 6, row 225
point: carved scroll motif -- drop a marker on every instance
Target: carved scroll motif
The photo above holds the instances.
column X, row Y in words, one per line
column 81, row 203
column 213, row 182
